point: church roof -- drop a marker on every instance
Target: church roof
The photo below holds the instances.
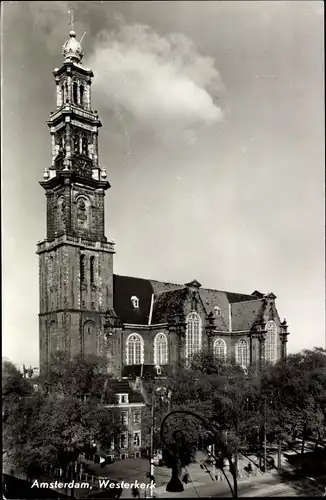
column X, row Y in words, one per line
column 158, row 301
column 167, row 304
column 245, row 314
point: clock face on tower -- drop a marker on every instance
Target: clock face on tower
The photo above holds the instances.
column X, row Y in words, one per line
column 82, row 166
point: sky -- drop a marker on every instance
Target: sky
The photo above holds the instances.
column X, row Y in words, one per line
column 213, row 141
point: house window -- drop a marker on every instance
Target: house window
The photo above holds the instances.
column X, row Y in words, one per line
column 217, row 310
column 137, row 439
column 92, row 268
column 270, row 343
column 242, row 353
column 160, row 349
column 123, row 398
column 123, row 440
column 82, row 268
column 124, row 418
column 137, row 417
column 135, row 349
column 193, row 334
column 219, row 350
column 135, row 302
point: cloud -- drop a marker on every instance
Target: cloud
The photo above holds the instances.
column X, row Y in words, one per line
column 163, row 81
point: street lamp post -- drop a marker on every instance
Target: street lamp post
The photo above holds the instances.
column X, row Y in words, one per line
column 175, row 484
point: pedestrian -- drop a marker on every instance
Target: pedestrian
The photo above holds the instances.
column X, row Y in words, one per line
column 185, row 478
column 135, row 492
column 249, row 468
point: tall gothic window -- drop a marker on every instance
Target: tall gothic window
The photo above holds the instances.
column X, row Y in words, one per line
column 89, row 337
column 92, row 268
column 219, row 350
column 242, row 353
column 160, row 349
column 82, row 212
column 270, row 343
column 66, row 92
column 193, row 334
column 76, row 143
column 81, row 90
column 84, row 145
column 135, row 349
column 54, row 343
column 75, row 92
column 63, row 94
column 82, row 268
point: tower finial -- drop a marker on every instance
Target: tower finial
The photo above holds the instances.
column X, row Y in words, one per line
column 72, row 20
column 72, row 49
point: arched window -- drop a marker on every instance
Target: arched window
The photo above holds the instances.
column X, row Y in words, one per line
column 54, row 344
column 84, row 145
column 82, row 268
column 135, row 302
column 135, row 349
column 160, row 349
column 66, row 92
column 217, row 311
column 270, row 343
column 242, row 353
column 61, row 210
column 81, row 90
column 82, row 212
column 92, row 268
column 76, row 143
column 75, row 92
column 193, row 334
column 219, row 350
column 89, row 338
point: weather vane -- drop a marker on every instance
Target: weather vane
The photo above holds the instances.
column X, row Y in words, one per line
column 72, row 24
column 72, row 19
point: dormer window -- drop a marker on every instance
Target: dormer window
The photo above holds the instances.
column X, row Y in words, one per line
column 217, row 311
column 122, row 398
column 135, row 302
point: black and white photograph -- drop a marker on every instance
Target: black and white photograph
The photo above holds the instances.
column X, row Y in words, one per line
column 163, row 249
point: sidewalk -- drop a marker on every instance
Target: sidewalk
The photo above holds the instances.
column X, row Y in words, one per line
column 222, row 486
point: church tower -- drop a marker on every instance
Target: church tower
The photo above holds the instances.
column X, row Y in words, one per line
column 75, row 258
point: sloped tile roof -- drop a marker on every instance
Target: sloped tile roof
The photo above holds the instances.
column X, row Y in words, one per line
column 167, row 304
column 124, row 287
column 123, row 387
column 246, row 314
column 145, row 371
column 239, row 297
column 168, row 299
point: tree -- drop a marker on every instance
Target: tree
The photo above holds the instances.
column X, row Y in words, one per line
column 295, row 391
column 50, row 427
